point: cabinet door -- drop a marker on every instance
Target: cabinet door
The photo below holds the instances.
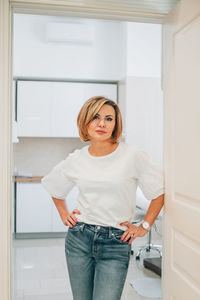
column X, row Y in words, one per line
column 50, row 109
column 71, row 201
column 34, row 209
column 34, row 108
column 68, row 98
column 101, row 89
column 14, row 123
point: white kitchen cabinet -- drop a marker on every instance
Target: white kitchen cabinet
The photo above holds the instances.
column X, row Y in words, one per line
column 34, row 100
column 68, row 97
column 71, row 202
column 14, row 123
column 13, row 207
column 35, row 210
column 103, row 89
column 50, row 109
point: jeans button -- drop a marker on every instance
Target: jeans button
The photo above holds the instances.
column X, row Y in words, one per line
column 98, row 227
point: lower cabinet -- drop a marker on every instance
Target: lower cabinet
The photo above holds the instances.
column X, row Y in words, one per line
column 71, row 201
column 35, row 209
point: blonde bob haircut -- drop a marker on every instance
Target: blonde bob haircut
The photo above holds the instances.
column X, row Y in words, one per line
column 90, row 109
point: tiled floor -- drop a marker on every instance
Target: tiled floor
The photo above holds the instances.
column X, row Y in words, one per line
column 40, row 273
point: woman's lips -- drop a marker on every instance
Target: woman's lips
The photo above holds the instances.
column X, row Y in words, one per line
column 100, row 131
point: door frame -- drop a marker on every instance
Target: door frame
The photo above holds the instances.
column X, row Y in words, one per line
column 68, row 8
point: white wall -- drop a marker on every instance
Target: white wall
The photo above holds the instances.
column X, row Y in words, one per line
column 144, row 49
column 144, row 101
column 144, row 115
column 35, row 56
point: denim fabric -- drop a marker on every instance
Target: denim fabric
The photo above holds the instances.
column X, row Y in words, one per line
column 97, row 261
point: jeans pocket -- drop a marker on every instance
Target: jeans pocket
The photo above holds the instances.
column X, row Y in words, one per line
column 117, row 237
column 76, row 228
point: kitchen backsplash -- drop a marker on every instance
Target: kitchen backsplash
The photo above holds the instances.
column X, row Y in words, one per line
column 37, row 156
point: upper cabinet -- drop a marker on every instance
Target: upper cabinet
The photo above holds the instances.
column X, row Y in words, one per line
column 50, row 109
column 34, row 108
column 14, row 123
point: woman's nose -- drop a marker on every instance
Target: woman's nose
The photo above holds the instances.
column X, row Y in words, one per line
column 101, row 122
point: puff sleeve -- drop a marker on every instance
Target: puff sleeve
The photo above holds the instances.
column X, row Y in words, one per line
column 150, row 175
column 57, row 183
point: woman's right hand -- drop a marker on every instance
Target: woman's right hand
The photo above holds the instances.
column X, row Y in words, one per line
column 70, row 219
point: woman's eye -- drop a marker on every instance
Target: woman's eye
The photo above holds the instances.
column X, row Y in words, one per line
column 97, row 117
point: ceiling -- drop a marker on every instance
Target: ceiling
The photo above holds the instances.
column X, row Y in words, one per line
column 150, row 11
column 143, row 6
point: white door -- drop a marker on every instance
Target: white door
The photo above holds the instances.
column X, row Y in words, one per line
column 181, row 265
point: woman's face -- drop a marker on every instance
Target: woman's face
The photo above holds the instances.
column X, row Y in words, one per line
column 103, row 124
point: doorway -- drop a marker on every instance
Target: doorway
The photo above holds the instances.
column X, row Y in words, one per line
column 53, row 54
column 6, row 16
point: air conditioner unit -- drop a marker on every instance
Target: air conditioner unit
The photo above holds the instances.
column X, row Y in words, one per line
column 75, row 33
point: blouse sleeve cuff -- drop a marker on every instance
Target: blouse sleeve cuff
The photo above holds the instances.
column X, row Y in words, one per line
column 157, row 193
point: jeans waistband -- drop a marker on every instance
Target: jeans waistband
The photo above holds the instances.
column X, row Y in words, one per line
column 99, row 228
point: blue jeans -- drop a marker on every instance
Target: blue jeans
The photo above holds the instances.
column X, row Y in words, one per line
column 97, row 261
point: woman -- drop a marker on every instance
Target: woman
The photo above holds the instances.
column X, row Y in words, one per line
column 107, row 173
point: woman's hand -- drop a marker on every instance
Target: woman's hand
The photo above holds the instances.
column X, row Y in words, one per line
column 132, row 231
column 70, row 219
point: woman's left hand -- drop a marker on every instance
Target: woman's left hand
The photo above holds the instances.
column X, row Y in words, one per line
column 132, row 231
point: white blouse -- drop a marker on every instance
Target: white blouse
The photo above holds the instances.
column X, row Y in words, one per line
column 107, row 184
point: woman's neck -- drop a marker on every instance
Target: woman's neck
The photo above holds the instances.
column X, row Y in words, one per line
column 101, row 148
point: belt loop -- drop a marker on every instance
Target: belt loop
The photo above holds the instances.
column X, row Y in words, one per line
column 110, row 232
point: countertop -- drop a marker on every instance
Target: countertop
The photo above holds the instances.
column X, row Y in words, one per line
column 27, row 179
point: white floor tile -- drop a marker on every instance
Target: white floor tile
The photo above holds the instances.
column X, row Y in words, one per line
column 45, row 291
column 40, row 271
column 27, row 283
column 55, row 283
column 49, row 297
